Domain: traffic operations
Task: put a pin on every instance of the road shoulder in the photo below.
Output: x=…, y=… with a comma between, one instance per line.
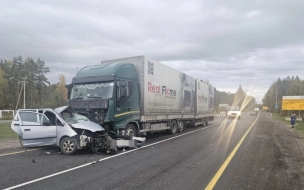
x=272, y=158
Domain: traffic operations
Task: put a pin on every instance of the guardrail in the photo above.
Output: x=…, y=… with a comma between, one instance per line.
x=220, y=115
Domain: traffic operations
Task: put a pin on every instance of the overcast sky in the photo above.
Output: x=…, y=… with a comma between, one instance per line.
x=230, y=43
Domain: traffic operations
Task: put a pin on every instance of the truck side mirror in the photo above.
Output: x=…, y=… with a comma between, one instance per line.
x=122, y=89
x=123, y=92
x=123, y=83
x=69, y=87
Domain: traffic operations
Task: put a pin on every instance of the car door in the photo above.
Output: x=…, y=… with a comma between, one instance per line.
x=36, y=129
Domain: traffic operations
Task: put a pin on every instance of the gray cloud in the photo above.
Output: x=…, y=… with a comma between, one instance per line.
x=230, y=43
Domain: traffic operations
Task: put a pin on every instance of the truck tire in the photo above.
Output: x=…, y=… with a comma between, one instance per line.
x=173, y=127
x=130, y=130
x=68, y=145
x=181, y=126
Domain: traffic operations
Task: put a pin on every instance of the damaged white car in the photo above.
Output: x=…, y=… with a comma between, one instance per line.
x=70, y=131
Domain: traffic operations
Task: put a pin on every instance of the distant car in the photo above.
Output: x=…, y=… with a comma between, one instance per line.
x=254, y=112
x=64, y=128
x=234, y=114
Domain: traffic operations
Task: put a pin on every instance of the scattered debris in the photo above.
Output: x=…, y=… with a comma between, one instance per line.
x=59, y=153
x=47, y=153
x=34, y=161
x=94, y=162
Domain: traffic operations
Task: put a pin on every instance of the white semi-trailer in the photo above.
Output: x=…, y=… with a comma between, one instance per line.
x=136, y=95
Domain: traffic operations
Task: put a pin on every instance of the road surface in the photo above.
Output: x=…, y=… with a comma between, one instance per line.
x=254, y=152
x=5, y=121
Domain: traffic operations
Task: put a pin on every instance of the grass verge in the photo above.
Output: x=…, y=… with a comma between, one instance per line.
x=6, y=132
x=299, y=128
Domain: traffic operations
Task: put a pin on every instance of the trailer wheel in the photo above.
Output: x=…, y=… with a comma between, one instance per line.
x=173, y=127
x=181, y=126
x=68, y=145
x=130, y=130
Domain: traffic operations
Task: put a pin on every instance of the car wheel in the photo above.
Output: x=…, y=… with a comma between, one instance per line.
x=181, y=126
x=131, y=130
x=21, y=141
x=68, y=145
x=173, y=127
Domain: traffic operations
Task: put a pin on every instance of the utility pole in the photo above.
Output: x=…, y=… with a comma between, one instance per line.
x=24, y=95
x=276, y=104
x=23, y=91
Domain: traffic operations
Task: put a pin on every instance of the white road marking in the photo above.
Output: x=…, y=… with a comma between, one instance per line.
x=84, y=165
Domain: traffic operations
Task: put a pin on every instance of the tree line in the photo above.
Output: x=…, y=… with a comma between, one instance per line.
x=39, y=93
x=240, y=98
x=289, y=86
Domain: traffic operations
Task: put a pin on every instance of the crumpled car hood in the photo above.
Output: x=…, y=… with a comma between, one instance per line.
x=88, y=125
x=82, y=124
x=60, y=109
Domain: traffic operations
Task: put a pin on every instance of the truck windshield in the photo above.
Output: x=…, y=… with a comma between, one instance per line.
x=98, y=90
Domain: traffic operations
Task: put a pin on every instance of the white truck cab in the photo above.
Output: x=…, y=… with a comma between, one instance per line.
x=234, y=112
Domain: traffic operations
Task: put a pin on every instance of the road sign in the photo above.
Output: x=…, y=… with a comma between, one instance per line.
x=293, y=103
x=277, y=106
x=223, y=105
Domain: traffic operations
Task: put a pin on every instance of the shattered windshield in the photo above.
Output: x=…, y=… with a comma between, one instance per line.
x=95, y=90
x=70, y=117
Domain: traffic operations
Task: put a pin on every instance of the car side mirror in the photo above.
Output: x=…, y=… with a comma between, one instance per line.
x=47, y=123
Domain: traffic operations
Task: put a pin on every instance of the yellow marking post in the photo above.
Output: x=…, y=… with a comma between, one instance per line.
x=7, y=154
x=227, y=161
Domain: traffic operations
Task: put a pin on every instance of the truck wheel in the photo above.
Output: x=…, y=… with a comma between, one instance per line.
x=173, y=127
x=68, y=145
x=131, y=130
x=181, y=126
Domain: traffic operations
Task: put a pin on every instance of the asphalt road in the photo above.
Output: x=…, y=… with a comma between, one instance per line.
x=188, y=160
x=5, y=121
